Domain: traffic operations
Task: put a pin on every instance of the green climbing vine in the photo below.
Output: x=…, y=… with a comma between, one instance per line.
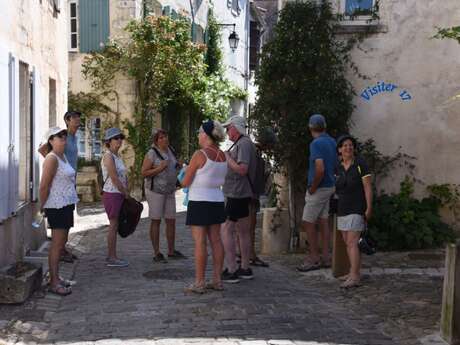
x=172, y=79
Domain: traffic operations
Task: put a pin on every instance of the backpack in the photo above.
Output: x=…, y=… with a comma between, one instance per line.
x=258, y=185
x=162, y=159
x=129, y=216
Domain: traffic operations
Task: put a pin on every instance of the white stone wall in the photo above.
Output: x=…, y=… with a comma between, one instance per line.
x=33, y=35
x=427, y=125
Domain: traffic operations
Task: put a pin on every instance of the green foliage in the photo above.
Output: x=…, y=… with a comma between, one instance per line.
x=451, y=33
x=302, y=72
x=213, y=57
x=90, y=105
x=381, y=165
x=402, y=222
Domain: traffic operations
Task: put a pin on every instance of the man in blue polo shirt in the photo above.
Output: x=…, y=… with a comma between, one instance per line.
x=321, y=186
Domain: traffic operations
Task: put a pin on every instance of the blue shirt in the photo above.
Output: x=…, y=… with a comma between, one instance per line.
x=71, y=150
x=323, y=147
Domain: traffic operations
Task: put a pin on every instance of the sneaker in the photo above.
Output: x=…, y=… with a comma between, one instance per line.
x=117, y=263
x=228, y=277
x=160, y=258
x=244, y=273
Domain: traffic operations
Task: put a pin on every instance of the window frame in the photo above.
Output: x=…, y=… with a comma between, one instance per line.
x=355, y=20
x=71, y=33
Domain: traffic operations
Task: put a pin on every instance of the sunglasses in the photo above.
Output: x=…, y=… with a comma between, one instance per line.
x=118, y=137
x=60, y=135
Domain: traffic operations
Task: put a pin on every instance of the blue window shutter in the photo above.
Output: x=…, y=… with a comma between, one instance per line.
x=353, y=6
x=166, y=10
x=174, y=14
x=194, y=32
x=94, y=24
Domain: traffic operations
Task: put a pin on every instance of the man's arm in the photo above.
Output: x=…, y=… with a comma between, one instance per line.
x=319, y=174
x=241, y=168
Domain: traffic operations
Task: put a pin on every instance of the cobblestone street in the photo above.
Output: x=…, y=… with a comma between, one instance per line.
x=145, y=302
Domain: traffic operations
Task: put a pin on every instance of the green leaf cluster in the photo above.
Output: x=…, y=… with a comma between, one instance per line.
x=402, y=222
x=302, y=72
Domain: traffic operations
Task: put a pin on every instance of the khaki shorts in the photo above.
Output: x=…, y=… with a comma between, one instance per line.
x=161, y=205
x=317, y=205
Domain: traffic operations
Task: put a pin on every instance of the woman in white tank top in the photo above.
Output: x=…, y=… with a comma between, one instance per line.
x=206, y=211
x=58, y=198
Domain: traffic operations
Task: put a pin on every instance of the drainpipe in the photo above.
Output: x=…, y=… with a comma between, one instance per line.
x=246, y=60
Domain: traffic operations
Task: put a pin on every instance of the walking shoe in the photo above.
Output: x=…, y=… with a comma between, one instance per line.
x=258, y=262
x=117, y=263
x=194, y=288
x=350, y=283
x=160, y=258
x=228, y=277
x=244, y=273
x=214, y=286
x=176, y=255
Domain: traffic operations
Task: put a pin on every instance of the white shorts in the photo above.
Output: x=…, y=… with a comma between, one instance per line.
x=161, y=205
x=351, y=222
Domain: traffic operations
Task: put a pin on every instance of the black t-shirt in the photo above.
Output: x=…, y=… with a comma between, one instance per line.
x=350, y=189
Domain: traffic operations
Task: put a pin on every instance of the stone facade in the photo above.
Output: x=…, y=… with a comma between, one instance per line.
x=33, y=96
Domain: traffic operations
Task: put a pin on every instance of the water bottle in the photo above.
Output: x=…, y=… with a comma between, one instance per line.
x=38, y=220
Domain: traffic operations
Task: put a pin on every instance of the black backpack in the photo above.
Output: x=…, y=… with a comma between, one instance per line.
x=130, y=214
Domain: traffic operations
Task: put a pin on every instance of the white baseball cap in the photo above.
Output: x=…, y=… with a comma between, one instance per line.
x=238, y=122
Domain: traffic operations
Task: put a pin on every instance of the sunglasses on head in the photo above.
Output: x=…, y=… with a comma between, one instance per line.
x=118, y=137
x=61, y=135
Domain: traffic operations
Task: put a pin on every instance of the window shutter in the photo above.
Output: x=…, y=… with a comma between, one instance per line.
x=37, y=132
x=4, y=134
x=167, y=11
x=13, y=137
x=174, y=14
x=94, y=24
x=194, y=30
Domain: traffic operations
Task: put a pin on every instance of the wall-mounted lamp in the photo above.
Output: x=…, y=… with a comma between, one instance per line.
x=233, y=38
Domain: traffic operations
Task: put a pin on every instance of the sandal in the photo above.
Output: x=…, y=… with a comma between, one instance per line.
x=350, y=283
x=258, y=262
x=176, y=255
x=193, y=288
x=215, y=286
x=308, y=266
x=60, y=290
x=343, y=278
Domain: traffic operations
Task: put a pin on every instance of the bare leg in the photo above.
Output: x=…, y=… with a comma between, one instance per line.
x=252, y=231
x=58, y=238
x=245, y=240
x=228, y=239
x=312, y=238
x=325, y=237
x=353, y=254
x=155, y=235
x=112, y=238
x=217, y=252
x=171, y=234
x=201, y=253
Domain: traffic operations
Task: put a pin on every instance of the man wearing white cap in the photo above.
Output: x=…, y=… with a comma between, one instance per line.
x=238, y=193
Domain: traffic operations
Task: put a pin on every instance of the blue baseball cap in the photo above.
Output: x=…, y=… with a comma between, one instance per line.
x=317, y=121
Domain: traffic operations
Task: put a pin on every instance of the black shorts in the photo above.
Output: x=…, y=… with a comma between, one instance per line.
x=204, y=213
x=237, y=208
x=60, y=218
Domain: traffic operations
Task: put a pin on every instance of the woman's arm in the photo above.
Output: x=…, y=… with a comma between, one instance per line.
x=197, y=162
x=109, y=163
x=50, y=166
x=367, y=184
x=149, y=169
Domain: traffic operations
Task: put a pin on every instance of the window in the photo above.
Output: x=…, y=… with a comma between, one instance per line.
x=358, y=7
x=73, y=29
x=89, y=139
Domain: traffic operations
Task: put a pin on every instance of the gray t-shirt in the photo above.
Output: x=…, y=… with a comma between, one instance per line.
x=164, y=182
x=237, y=186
